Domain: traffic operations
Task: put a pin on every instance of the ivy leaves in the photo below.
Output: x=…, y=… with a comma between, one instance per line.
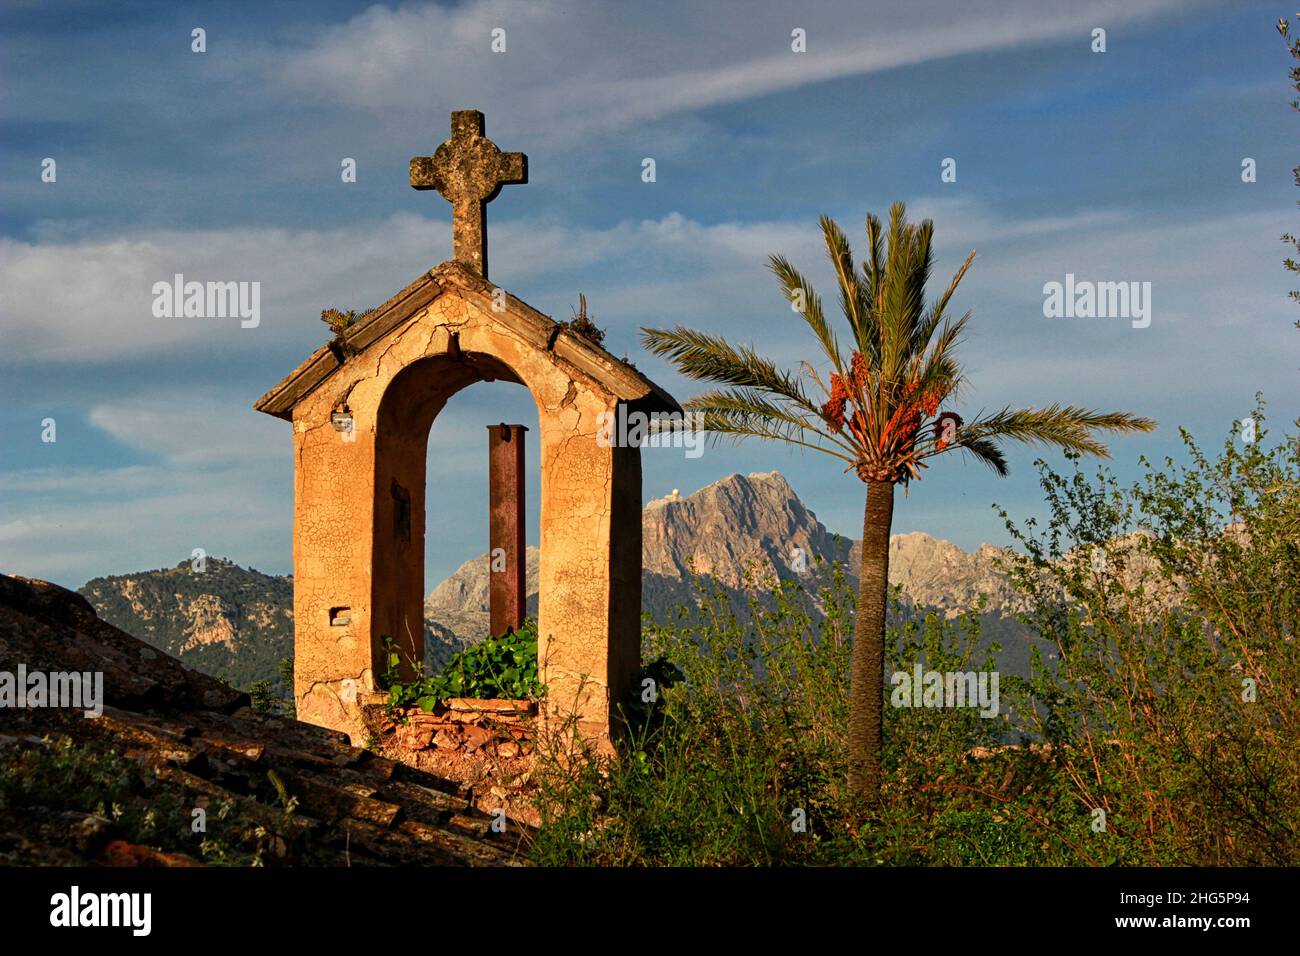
x=500, y=668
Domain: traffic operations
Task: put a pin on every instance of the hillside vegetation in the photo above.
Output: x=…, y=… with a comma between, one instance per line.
x=1151, y=731
x=225, y=621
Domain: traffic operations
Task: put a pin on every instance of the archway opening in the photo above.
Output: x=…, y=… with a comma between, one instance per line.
x=463, y=562
x=431, y=504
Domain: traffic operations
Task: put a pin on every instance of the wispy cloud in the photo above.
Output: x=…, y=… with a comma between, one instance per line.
x=219, y=470
x=586, y=66
x=190, y=429
x=225, y=167
x=654, y=270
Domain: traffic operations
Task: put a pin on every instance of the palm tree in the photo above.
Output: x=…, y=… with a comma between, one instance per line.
x=878, y=411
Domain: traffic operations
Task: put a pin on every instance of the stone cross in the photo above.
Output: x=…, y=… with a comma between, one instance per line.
x=469, y=171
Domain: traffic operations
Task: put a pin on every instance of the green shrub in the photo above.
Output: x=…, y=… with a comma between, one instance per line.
x=1172, y=706
x=340, y=321
x=275, y=697
x=740, y=761
x=499, y=668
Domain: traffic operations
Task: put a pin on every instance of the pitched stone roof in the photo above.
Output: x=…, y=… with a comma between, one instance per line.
x=544, y=333
x=184, y=741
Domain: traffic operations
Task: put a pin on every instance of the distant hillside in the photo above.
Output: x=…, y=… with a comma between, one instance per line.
x=226, y=621
x=237, y=623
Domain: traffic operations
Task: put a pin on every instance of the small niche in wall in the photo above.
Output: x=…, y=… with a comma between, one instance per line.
x=401, y=513
x=340, y=616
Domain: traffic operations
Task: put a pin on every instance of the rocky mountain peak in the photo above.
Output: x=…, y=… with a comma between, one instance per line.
x=733, y=523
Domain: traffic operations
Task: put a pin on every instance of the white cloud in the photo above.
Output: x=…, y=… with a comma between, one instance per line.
x=92, y=299
x=86, y=482
x=586, y=66
x=88, y=300
x=192, y=429
x=222, y=480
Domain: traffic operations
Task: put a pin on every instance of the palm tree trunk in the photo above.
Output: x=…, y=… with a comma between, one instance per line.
x=867, y=680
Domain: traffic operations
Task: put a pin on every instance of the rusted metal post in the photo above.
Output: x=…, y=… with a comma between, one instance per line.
x=508, y=582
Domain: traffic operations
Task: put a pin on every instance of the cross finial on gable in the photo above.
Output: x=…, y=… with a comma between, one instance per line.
x=469, y=171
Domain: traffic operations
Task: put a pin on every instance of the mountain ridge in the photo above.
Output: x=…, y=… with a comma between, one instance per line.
x=237, y=623
x=754, y=521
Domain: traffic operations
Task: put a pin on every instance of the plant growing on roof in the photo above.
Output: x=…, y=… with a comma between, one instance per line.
x=581, y=323
x=340, y=321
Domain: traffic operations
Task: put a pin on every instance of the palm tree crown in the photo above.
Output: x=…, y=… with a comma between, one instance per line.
x=878, y=407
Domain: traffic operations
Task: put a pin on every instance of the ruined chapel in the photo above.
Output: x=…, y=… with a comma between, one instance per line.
x=361, y=407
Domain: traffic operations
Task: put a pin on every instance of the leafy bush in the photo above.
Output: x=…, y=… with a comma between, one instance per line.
x=1173, y=610
x=741, y=761
x=499, y=668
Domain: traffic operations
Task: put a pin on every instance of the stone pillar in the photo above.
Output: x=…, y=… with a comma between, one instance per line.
x=333, y=508
x=625, y=579
x=589, y=628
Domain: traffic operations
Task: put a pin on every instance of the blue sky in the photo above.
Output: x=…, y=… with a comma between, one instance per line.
x=1115, y=166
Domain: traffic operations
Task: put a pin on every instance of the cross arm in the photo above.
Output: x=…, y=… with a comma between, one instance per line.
x=424, y=174
x=512, y=169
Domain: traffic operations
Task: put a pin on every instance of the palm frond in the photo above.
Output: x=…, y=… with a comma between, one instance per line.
x=934, y=317
x=737, y=425
x=853, y=297
x=794, y=283
x=986, y=451
x=712, y=358
x=906, y=273
x=873, y=273
x=750, y=406
x=1065, y=426
x=937, y=367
